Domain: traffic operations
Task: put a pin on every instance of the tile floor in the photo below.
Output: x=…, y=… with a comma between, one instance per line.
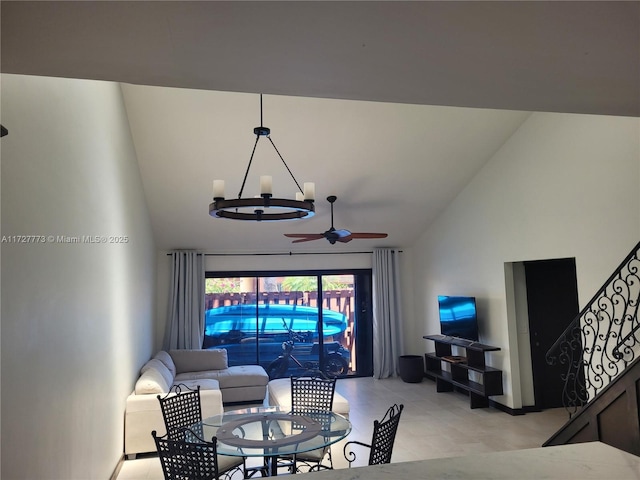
x=432, y=425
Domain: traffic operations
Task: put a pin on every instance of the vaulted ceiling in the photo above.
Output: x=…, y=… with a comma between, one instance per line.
x=391, y=106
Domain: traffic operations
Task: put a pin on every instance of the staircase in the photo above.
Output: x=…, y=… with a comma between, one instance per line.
x=601, y=352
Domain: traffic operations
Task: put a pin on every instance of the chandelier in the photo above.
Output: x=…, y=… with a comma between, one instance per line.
x=265, y=207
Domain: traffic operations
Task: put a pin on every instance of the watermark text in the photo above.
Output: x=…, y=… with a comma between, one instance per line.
x=63, y=239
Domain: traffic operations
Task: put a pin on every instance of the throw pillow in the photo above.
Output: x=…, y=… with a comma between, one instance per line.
x=165, y=358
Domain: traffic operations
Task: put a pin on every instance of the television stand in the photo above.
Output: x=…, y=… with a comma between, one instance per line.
x=458, y=374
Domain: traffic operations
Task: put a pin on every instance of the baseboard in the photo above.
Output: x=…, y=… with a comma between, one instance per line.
x=513, y=411
x=116, y=472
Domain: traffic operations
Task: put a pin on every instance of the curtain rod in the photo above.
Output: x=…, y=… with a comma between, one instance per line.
x=288, y=254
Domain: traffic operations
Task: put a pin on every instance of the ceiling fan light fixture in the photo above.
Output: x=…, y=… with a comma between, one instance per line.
x=264, y=207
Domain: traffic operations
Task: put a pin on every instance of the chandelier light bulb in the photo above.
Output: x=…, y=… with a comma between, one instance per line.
x=266, y=187
x=309, y=191
x=218, y=189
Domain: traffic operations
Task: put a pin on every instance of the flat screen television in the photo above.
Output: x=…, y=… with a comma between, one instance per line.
x=458, y=317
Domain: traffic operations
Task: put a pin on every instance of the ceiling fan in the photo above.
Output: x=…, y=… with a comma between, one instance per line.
x=332, y=234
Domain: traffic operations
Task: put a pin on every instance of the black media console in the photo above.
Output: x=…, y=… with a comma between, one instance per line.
x=460, y=367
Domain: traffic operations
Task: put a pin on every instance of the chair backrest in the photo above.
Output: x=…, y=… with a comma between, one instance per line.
x=384, y=435
x=180, y=409
x=187, y=459
x=309, y=394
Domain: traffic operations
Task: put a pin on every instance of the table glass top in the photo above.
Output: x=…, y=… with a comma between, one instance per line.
x=269, y=431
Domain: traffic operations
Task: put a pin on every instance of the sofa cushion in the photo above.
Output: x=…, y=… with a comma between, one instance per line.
x=232, y=377
x=243, y=376
x=165, y=358
x=199, y=360
x=203, y=375
x=151, y=381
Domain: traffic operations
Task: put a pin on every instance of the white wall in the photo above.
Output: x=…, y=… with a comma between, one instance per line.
x=77, y=318
x=563, y=186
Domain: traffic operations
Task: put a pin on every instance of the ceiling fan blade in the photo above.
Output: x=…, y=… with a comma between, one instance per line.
x=311, y=236
x=369, y=235
x=308, y=239
x=304, y=237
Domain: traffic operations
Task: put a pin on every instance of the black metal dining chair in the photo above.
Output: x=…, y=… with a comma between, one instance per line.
x=188, y=459
x=313, y=393
x=182, y=413
x=181, y=408
x=311, y=396
x=383, y=438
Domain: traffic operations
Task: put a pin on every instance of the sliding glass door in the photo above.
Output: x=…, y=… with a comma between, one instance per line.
x=292, y=323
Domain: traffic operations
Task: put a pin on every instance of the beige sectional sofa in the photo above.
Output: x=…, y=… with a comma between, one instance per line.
x=218, y=382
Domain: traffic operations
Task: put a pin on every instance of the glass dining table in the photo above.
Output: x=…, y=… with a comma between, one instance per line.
x=272, y=432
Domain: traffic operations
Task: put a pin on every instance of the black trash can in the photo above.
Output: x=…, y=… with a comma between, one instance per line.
x=411, y=368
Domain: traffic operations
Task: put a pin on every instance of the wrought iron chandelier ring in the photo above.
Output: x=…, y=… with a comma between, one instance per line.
x=266, y=207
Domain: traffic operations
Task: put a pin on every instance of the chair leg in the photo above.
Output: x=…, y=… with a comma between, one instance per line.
x=263, y=469
x=318, y=466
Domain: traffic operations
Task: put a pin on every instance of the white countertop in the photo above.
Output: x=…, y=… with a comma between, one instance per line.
x=581, y=461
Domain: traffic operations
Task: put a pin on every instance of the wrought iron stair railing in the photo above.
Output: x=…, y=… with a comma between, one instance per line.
x=603, y=339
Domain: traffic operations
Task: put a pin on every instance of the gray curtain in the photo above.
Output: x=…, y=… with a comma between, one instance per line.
x=387, y=312
x=185, y=321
